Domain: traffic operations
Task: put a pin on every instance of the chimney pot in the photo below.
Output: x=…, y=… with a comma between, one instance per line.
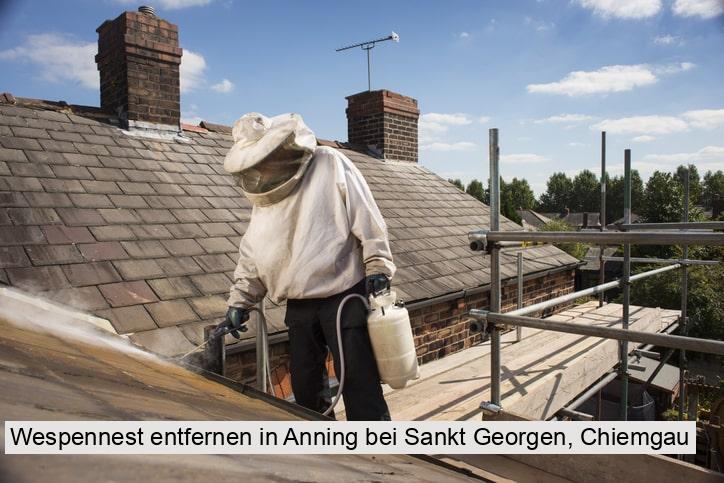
x=147, y=10
x=384, y=121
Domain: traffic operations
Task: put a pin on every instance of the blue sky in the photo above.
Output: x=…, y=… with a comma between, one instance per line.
x=550, y=74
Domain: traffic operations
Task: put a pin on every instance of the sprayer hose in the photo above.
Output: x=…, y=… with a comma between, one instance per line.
x=267, y=371
x=341, y=374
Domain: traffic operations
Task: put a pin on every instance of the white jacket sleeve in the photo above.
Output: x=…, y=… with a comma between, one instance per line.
x=247, y=289
x=365, y=219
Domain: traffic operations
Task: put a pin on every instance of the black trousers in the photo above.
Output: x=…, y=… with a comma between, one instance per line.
x=312, y=333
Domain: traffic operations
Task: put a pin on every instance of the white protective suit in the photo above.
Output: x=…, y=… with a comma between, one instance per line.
x=319, y=239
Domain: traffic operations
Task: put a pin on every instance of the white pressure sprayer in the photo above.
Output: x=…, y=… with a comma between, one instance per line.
x=388, y=324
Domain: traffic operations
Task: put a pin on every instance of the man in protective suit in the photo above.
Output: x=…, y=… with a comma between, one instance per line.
x=315, y=236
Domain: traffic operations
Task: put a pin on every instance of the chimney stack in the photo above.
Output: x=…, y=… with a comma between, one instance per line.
x=385, y=121
x=139, y=59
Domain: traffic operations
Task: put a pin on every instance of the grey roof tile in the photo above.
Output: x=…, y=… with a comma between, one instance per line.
x=145, y=249
x=11, y=257
x=122, y=294
x=185, y=230
x=173, y=288
x=179, y=266
x=100, y=251
x=53, y=254
x=138, y=269
x=83, y=298
x=170, y=313
x=61, y=234
x=36, y=279
x=62, y=185
x=129, y=319
x=112, y=232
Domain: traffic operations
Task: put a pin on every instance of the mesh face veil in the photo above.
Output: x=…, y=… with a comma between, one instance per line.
x=275, y=170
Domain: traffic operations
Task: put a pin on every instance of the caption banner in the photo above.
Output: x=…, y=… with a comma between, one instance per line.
x=359, y=437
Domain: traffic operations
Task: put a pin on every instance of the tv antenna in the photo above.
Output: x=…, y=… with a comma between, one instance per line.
x=367, y=46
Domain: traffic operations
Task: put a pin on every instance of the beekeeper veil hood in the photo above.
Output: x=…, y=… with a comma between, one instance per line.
x=269, y=155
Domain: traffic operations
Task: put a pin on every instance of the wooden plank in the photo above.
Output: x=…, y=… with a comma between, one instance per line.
x=541, y=373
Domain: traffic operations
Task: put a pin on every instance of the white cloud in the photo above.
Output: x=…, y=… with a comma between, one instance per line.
x=669, y=69
x=433, y=124
x=642, y=125
x=709, y=157
x=523, y=158
x=224, y=86
x=456, y=119
x=576, y=144
x=612, y=78
x=647, y=125
x=626, y=9
x=440, y=146
x=192, y=70
x=643, y=139
x=191, y=116
x=463, y=35
x=705, y=118
x=667, y=40
x=59, y=57
x=564, y=119
x=698, y=8
x=435, y=128
x=172, y=4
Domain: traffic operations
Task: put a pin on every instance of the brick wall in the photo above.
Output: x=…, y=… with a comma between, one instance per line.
x=386, y=121
x=138, y=59
x=439, y=329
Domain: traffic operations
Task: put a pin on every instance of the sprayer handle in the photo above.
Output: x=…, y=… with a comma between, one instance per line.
x=376, y=284
x=234, y=322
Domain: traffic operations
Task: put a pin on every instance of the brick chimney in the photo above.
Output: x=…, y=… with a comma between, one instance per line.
x=385, y=121
x=138, y=59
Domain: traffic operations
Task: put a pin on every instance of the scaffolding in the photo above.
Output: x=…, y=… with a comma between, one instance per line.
x=627, y=233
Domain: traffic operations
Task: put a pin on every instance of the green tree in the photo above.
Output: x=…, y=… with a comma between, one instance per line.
x=662, y=199
x=713, y=187
x=663, y=202
x=576, y=249
x=694, y=182
x=457, y=183
x=614, y=196
x=522, y=197
x=558, y=193
x=514, y=195
x=706, y=284
x=476, y=190
x=586, y=192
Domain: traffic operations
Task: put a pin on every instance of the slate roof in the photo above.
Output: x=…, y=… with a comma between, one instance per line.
x=144, y=232
x=575, y=219
x=532, y=219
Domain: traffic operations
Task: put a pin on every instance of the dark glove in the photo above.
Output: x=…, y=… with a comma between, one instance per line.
x=376, y=284
x=235, y=321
